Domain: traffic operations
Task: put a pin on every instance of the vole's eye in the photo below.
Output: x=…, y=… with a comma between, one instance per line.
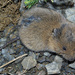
x=64, y=48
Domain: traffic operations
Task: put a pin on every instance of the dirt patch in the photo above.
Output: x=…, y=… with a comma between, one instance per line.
x=9, y=13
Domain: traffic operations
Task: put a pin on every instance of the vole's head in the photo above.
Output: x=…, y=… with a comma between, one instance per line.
x=63, y=41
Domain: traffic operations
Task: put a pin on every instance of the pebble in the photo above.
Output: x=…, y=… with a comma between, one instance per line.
x=14, y=44
x=42, y=72
x=55, y=66
x=37, y=55
x=58, y=60
x=47, y=54
x=41, y=59
x=28, y=63
x=18, y=42
x=32, y=54
x=1, y=44
x=1, y=60
x=72, y=65
x=52, y=68
x=1, y=70
x=3, y=39
x=74, y=1
x=7, y=55
x=16, y=1
x=70, y=13
x=39, y=66
x=12, y=36
x=12, y=51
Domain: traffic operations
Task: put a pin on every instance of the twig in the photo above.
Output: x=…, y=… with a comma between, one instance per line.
x=12, y=60
x=11, y=41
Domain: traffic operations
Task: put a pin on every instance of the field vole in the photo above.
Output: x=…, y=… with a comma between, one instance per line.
x=47, y=30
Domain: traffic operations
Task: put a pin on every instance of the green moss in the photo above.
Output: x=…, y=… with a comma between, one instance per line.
x=30, y=3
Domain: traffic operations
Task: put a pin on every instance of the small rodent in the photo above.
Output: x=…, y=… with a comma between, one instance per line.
x=47, y=30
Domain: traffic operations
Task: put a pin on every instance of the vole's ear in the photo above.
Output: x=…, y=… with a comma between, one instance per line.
x=56, y=32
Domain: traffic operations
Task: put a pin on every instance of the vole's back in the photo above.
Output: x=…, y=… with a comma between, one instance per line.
x=42, y=29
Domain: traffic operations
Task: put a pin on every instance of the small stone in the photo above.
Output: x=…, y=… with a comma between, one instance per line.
x=32, y=54
x=1, y=44
x=1, y=69
x=70, y=13
x=3, y=39
x=39, y=66
x=41, y=59
x=11, y=51
x=74, y=1
x=18, y=42
x=55, y=66
x=52, y=68
x=6, y=54
x=12, y=36
x=14, y=44
x=42, y=72
x=47, y=54
x=37, y=55
x=58, y=60
x=16, y=1
x=4, y=51
x=1, y=60
x=28, y=63
x=16, y=33
x=72, y=65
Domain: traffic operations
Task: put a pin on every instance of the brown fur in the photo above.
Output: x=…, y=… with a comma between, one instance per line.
x=50, y=31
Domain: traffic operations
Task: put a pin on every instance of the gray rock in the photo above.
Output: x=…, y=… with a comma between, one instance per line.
x=70, y=13
x=39, y=66
x=50, y=6
x=52, y=68
x=72, y=65
x=47, y=54
x=18, y=42
x=4, y=51
x=3, y=39
x=1, y=69
x=41, y=59
x=74, y=1
x=32, y=54
x=58, y=60
x=12, y=36
x=42, y=72
x=37, y=55
x=6, y=54
x=1, y=44
x=1, y=61
x=11, y=51
x=28, y=63
x=59, y=2
x=55, y=66
x=16, y=1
